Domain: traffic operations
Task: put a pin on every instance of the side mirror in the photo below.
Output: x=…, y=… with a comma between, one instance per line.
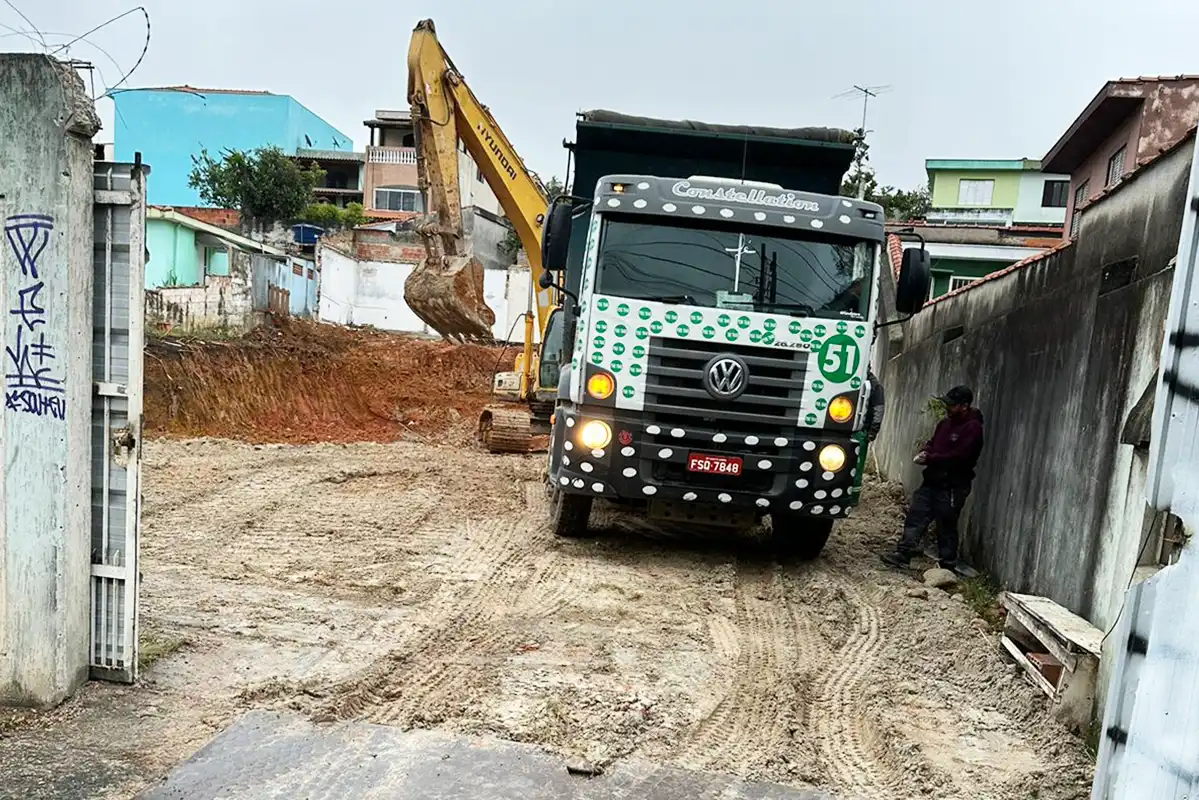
x=546, y=280
x=555, y=236
x=915, y=273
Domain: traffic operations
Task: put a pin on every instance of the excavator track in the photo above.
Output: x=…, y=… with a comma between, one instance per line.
x=506, y=429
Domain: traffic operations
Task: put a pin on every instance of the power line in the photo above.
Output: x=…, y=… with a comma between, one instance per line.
x=28, y=22
x=866, y=93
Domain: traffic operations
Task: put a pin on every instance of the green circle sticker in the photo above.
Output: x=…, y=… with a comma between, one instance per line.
x=644, y=313
x=615, y=366
x=623, y=309
x=723, y=320
x=810, y=419
x=638, y=352
x=755, y=336
x=682, y=330
x=838, y=358
x=859, y=331
x=696, y=318
x=795, y=327
x=602, y=304
x=635, y=369
x=655, y=326
x=628, y=391
x=817, y=386
x=597, y=358
x=709, y=332
x=769, y=324
x=768, y=338
x=618, y=348
x=598, y=342
x=820, y=330
x=842, y=326
x=856, y=383
x=742, y=322
x=806, y=336
x=821, y=404
x=601, y=326
x=731, y=334
x=620, y=330
x=671, y=316
x=642, y=332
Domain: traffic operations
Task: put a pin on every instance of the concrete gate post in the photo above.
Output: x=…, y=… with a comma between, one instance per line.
x=47, y=121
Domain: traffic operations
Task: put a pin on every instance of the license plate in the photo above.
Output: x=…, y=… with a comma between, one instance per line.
x=714, y=465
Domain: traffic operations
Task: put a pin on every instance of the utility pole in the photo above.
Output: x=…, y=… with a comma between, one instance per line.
x=866, y=92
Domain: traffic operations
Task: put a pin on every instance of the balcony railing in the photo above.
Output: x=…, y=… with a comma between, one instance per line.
x=391, y=155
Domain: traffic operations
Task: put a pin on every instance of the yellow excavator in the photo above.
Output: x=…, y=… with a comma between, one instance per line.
x=446, y=289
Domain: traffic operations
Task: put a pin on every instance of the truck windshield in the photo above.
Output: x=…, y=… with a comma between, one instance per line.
x=707, y=264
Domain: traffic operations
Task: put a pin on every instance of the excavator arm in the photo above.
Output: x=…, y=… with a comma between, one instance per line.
x=447, y=290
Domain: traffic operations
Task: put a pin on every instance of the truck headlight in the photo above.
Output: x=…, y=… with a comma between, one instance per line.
x=595, y=435
x=832, y=458
x=601, y=385
x=841, y=409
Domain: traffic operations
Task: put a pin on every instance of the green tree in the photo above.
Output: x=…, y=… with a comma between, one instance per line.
x=264, y=184
x=510, y=246
x=898, y=204
x=331, y=218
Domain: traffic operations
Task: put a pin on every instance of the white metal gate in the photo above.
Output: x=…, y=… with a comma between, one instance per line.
x=1149, y=745
x=119, y=266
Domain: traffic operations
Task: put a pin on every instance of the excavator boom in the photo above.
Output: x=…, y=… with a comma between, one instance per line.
x=446, y=290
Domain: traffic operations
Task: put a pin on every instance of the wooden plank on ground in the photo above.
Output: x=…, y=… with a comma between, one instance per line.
x=1075, y=632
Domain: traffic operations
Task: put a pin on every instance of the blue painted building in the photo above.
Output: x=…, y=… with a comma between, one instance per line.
x=170, y=125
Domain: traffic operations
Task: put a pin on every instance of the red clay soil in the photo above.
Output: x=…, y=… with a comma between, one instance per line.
x=304, y=382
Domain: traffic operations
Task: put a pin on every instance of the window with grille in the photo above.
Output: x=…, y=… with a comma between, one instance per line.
x=956, y=283
x=1074, y=221
x=975, y=192
x=1054, y=194
x=396, y=199
x=1115, y=167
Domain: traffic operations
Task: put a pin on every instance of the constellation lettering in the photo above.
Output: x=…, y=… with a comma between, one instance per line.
x=28, y=235
x=30, y=383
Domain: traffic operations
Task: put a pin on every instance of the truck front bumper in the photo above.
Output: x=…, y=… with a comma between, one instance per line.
x=646, y=460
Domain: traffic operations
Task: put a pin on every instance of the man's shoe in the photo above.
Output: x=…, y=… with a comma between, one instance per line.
x=896, y=560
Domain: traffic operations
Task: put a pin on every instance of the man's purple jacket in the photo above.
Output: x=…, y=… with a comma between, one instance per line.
x=950, y=456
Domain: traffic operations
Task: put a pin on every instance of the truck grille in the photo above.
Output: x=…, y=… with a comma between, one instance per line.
x=675, y=393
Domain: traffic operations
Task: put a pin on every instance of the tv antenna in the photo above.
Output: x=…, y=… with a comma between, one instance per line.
x=866, y=92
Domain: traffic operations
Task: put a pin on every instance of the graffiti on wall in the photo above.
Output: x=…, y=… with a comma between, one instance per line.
x=32, y=385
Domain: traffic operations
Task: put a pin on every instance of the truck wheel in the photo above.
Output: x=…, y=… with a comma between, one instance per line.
x=798, y=537
x=569, y=514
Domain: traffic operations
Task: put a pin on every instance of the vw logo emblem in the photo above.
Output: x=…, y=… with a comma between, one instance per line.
x=726, y=377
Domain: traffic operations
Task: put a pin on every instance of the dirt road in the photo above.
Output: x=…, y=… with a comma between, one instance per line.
x=416, y=585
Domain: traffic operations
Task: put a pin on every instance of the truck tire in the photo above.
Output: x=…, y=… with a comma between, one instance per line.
x=799, y=537
x=569, y=514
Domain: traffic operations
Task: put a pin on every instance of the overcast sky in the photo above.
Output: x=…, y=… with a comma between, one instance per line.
x=969, y=79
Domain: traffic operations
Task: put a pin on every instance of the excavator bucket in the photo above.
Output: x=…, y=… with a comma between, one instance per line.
x=448, y=297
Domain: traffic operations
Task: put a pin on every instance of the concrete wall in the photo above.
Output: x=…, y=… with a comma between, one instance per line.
x=369, y=292
x=1059, y=353
x=47, y=120
x=217, y=302
x=168, y=127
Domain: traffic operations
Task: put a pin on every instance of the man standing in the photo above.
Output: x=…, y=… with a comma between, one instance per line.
x=874, y=406
x=948, y=459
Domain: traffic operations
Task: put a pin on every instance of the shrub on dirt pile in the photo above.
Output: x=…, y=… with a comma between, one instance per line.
x=306, y=382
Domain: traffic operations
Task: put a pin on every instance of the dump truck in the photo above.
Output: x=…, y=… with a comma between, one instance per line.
x=720, y=303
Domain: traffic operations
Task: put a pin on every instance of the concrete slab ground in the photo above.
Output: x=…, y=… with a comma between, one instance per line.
x=268, y=754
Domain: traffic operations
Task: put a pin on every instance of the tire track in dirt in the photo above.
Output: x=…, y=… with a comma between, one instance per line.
x=753, y=718
x=838, y=711
x=464, y=634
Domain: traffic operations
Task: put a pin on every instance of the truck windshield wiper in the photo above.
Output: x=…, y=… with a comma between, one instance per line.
x=669, y=298
x=804, y=310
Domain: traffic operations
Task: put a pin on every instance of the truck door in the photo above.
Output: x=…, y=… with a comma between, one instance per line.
x=117, y=343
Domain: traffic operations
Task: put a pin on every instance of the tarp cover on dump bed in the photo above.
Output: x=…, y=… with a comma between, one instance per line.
x=834, y=135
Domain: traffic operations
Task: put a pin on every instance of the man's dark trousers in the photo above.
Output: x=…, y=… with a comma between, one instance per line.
x=940, y=504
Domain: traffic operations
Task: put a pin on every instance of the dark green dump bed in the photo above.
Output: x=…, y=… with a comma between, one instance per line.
x=609, y=143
